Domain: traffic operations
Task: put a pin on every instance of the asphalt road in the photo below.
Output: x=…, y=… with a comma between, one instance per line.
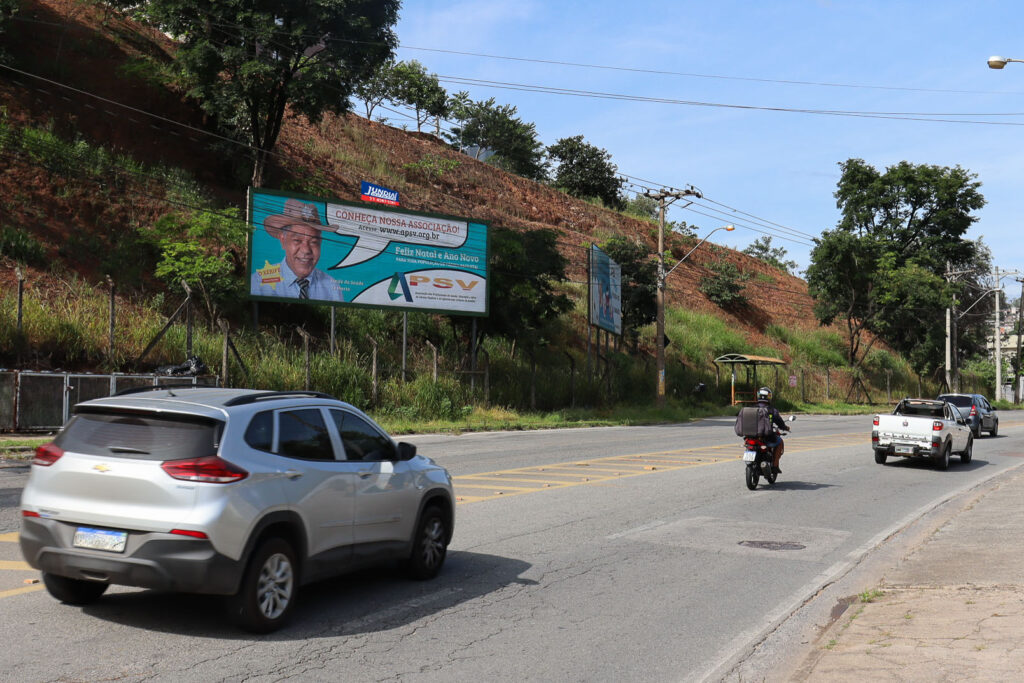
x=604, y=554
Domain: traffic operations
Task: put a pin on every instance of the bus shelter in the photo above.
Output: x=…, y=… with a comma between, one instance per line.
x=750, y=364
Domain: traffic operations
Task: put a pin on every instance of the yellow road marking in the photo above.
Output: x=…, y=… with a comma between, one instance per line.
x=600, y=471
x=11, y=537
x=18, y=591
x=14, y=564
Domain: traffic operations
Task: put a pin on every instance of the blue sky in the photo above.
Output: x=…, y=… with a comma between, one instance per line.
x=782, y=167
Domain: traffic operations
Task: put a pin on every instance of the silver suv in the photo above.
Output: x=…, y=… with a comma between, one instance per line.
x=234, y=492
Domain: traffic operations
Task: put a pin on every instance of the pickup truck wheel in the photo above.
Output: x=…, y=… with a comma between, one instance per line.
x=968, y=452
x=943, y=461
x=880, y=456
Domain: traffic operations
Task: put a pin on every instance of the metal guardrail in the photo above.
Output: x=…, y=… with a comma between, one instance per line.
x=42, y=401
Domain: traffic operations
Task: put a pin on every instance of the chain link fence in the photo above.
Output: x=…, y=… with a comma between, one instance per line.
x=42, y=401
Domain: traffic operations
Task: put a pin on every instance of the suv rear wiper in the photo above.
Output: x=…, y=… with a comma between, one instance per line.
x=127, y=449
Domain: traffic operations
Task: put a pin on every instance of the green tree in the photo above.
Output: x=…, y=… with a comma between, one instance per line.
x=488, y=126
x=8, y=8
x=246, y=63
x=378, y=88
x=419, y=90
x=639, y=284
x=586, y=171
x=885, y=261
x=643, y=207
x=725, y=285
x=763, y=250
x=524, y=267
x=206, y=250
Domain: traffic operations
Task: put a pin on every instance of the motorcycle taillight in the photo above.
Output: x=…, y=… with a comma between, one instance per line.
x=750, y=443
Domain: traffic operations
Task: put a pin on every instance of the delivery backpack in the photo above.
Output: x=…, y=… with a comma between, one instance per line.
x=754, y=421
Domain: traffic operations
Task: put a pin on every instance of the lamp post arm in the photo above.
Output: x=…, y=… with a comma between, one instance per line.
x=690, y=252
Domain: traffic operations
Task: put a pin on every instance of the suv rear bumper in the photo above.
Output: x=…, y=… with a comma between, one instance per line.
x=150, y=560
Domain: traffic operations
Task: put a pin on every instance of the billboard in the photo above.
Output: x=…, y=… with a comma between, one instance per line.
x=321, y=250
x=605, y=291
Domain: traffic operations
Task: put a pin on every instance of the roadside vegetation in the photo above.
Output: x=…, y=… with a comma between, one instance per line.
x=155, y=230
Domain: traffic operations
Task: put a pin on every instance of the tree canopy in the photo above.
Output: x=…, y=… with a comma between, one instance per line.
x=586, y=171
x=488, y=126
x=246, y=63
x=762, y=249
x=419, y=90
x=882, y=269
x=639, y=284
x=524, y=267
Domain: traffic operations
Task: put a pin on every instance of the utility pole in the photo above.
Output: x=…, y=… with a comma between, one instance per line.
x=1016, y=367
x=998, y=342
x=949, y=335
x=659, y=342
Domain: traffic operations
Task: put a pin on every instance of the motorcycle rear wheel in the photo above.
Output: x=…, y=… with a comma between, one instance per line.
x=770, y=476
x=752, y=477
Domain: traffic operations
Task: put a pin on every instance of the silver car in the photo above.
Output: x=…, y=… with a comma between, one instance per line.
x=234, y=492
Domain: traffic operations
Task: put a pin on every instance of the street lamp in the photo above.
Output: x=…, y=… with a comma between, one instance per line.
x=660, y=327
x=997, y=62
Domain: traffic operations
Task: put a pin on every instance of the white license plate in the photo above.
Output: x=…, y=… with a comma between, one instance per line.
x=100, y=539
x=749, y=456
x=904, y=450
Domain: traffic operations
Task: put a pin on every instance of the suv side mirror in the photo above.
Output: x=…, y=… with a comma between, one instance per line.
x=406, y=451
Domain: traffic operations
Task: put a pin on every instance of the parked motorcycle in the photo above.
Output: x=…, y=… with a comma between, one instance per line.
x=758, y=458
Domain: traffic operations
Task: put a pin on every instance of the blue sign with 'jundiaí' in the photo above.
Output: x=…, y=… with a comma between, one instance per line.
x=381, y=195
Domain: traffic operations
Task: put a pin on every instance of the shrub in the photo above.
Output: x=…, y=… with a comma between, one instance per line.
x=725, y=285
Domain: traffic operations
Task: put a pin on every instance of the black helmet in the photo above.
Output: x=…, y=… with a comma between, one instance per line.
x=764, y=394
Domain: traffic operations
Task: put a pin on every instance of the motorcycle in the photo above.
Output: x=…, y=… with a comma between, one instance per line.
x=758, y=458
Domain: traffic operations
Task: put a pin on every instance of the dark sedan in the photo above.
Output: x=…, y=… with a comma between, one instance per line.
x=979, y=413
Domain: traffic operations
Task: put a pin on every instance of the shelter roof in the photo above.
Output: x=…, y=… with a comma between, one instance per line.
x=746, y=359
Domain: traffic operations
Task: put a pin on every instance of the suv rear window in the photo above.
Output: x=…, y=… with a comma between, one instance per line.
x=959, y=401
x=140, y=436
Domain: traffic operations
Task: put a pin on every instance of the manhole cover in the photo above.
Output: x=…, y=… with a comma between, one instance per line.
x=773, y=545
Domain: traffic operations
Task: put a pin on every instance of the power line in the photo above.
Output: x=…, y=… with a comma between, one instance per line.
x=571, y=92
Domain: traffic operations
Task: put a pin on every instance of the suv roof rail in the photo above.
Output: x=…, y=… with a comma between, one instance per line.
x=157, y=387
x=271, y=395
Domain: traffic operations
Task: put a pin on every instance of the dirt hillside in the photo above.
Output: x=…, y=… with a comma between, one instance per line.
x=77, y=71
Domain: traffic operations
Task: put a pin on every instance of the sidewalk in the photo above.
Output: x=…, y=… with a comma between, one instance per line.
x=951, y=610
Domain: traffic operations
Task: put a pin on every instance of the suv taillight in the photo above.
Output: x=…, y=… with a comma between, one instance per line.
x=210, y=469
x=47, y=454
x=974, y=410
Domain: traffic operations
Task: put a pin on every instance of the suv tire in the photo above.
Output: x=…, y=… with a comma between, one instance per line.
x=995, y=429
x=266, y=596
x=429, y=545
x=73, y=591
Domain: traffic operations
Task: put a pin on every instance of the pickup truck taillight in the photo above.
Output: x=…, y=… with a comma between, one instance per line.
x=875, y=421
x=937, y=426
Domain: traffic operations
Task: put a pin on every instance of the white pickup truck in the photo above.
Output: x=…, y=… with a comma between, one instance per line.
x=922, y=428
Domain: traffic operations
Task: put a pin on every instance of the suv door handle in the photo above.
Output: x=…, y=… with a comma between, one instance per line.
x=292, y=474
x=363, y=474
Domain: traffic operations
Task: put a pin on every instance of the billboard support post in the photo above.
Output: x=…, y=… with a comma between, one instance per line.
x=332, y=330
x=405, y=336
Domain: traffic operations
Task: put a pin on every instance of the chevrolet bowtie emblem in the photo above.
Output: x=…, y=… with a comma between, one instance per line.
x=101, y=468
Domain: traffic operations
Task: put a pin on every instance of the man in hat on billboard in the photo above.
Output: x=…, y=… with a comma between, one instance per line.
x=299, y=229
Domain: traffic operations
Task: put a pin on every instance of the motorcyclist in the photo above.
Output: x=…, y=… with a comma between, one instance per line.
x=764, y=398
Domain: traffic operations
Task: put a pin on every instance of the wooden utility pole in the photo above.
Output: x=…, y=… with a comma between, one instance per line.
x=664, y=198
x=1020, y=324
